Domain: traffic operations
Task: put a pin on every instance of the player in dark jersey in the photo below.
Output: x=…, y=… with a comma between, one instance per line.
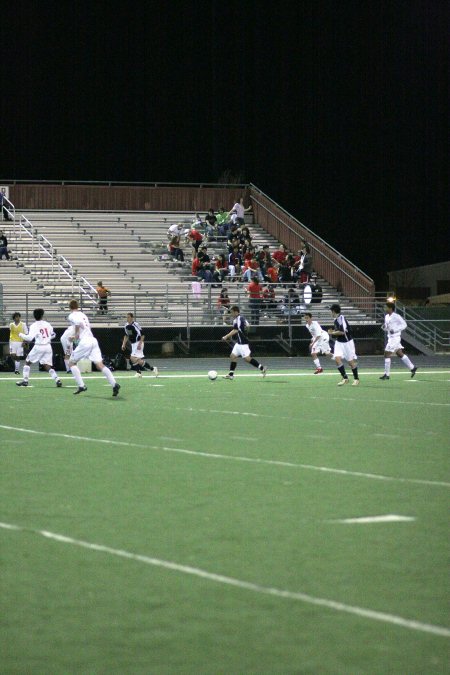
x=344, y=347
x=133, y=334
x=241, y=347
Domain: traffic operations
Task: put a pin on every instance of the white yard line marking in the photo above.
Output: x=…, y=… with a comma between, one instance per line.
x=233, y=458
x=363, y=520
x=373, y=400
x=245, y=585
x=244, y=438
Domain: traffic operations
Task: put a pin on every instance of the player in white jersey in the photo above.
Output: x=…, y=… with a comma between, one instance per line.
x=67, y=342
x=87, y=348
x=16, y=352
x=393, y=326
x=42, y=333
x=320, y=341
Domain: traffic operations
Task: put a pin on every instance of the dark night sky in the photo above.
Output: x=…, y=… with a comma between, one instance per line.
x=338, y=110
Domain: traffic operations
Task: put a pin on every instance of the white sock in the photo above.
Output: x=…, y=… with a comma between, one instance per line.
x=53, y=374
x=109, y=376
x=316, y=363
x=77, y=375
x=387, y=366
x=26, y=373
x=16, y=365
x=407, y=362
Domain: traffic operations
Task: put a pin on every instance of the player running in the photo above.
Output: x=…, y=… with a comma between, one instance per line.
x=242, y=347
x=42, y=333
x=393, y=326
x=87, y=349
x=320, y=341
x=133, y=335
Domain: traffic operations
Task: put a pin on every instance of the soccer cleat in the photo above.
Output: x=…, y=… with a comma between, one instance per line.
x=138, y=374
x=413, y=371
x=22, y=383
x=116, y=389
x=355, y=383
x=58, y=383
x=16, y=372
x=80, y=390
x=155, y=371
x=318, y=370
x=228, y=377
x=343, y=381
x=384, y=377
x=264, y=371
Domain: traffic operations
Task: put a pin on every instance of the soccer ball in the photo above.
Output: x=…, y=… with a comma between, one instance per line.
x=212, y=375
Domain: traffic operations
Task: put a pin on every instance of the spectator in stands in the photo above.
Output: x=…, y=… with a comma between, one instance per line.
x=280, y=254
x=264, y=259
x=205, y=271
x=272, y=272
x=234, y=262
x=239, y=210
x=174, y=248
x=252, y=269
x=196, y=265
x=223, y=222
x=103, y=295
x=197, y=222
x=221, y=268
x=3, y=246
x=290, y=303
x=174, y=230
x=268, y=299
x=254, y=291
x=210, y=224
x=195, y=237
x=224, y=304
x=305, y=266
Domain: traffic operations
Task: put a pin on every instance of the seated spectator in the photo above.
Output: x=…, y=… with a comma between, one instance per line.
x=251, y=269
x=210, y=224
x=174, y=248
x=254, y=291
x=264, y=259
x=196, y=265
x=290, y=303
x=268, y=296
x=239, y=210
x=284, y=273
x=280, y=254
x=197, y=222
x=3, y=246
x=224, y=304
x=245, y=234
x=205, y=271
x=221, y=268
x=223, y=222
x=195, y=237
x=272, y=273
x=234, y=263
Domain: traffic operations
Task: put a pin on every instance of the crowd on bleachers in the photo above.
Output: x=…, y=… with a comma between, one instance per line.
x=219, y=249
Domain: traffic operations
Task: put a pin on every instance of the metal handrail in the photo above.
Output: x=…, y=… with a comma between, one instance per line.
x=13, y=181
x=342, y=257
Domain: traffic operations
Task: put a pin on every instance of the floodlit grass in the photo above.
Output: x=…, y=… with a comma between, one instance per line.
x=242, y=479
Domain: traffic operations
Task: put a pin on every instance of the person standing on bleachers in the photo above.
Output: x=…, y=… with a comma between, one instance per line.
x=103, y=294
x=3, y=246
x=239, y=210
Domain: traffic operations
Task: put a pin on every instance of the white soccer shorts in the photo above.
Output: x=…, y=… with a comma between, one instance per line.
x=42, y=354
x=135, y=352
x=322, y=345
x=87, y=349
x=16, y=348
x=346, y=350
x=393, y=344
x=241, y=350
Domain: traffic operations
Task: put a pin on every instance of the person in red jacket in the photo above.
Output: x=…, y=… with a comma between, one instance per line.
x=195, y=238
x=254, y=291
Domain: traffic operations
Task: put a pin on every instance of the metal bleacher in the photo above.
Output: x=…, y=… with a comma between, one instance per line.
x=127, y=252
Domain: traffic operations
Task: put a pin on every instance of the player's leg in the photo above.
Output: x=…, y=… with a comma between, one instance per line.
x=26, y=373
x=233, y=364
x=387, y=366
x=256, y=364
x=406, y=361
x=340, y=366
x=52, y=372
x=316, y=361
x=353, y=363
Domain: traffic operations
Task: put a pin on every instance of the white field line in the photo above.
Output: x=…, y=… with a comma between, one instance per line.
x=245, y=585
x=210, y=455
x=365, y=520
x=240, y=374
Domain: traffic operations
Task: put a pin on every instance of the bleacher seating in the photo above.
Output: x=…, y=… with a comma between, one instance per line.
x=127, y=251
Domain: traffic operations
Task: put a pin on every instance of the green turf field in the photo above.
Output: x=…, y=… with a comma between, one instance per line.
x=191, y=526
